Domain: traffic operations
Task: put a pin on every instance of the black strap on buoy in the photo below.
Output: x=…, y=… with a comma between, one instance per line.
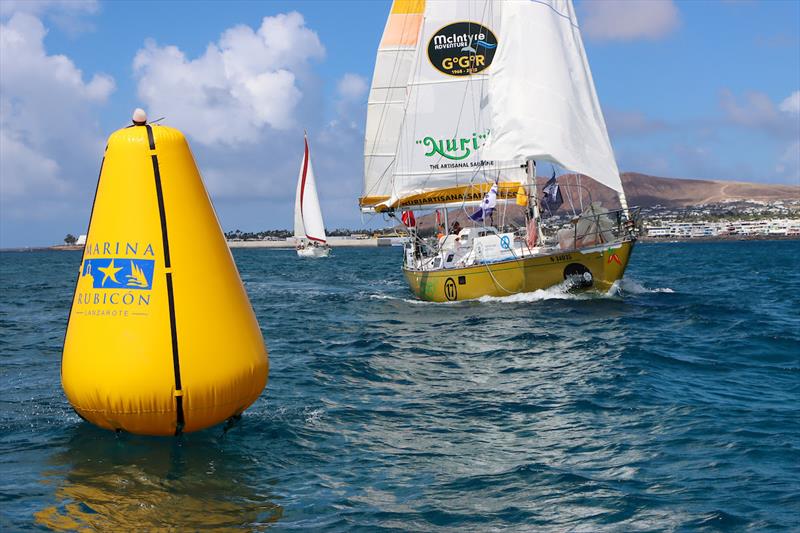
x=176, y=365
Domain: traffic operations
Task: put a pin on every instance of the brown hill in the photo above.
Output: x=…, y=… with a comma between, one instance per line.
x=645, y=191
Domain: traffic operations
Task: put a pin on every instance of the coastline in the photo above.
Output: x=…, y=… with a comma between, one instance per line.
x=720, y=238
x=382, y=242
x=334, y=242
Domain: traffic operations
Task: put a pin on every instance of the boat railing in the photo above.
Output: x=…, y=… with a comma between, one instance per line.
x=594, y=227
x=597, y=226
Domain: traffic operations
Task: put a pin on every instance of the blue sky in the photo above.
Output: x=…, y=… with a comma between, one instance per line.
x=689, y=89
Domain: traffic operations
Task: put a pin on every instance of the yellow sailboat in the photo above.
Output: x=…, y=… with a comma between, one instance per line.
x=467, y=97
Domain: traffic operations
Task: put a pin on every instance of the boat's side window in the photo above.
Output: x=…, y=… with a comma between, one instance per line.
x=449, y=258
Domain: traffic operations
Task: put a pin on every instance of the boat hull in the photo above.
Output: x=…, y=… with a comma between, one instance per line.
x=314, y=251
x=605, y=265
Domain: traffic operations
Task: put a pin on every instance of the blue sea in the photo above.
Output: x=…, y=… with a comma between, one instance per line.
x=671, y=405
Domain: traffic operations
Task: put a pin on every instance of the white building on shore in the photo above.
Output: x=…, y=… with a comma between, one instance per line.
x=700, y=229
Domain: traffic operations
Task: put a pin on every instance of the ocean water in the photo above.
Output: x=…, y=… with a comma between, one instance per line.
x=672, y=405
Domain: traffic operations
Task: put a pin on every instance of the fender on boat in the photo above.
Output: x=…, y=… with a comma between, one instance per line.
x=161, y=337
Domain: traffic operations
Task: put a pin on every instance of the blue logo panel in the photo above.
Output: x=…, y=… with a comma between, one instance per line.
x=120, y=273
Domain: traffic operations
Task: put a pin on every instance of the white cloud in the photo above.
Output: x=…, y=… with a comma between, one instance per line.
x=757, y=110
x=628, y=20
x=791, y=104
x=38, y=172
x=631, y=123
x=49, y=138
x=242, y=85
x=780, y=121
x=788, y=166
x=68, y=15
x=352, y=87
x=40, y=7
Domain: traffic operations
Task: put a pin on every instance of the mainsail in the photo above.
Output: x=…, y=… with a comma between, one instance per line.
x=387, y=98
x=307, y=213
x=544, y=104
x=492, y=85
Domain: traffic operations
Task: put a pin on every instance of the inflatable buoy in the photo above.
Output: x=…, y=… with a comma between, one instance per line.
x=161, y=337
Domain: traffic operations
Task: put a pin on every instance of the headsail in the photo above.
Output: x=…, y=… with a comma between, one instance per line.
x=447, y=118
x=307, y=213
x=544, y=104
x=387, y=98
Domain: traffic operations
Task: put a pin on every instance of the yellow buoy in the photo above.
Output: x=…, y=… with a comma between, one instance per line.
x=161, y=337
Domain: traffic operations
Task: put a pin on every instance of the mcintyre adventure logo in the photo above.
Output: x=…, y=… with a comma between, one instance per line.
x=462, y=48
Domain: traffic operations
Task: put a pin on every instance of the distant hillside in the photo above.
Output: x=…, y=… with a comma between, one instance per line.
x=645, y=191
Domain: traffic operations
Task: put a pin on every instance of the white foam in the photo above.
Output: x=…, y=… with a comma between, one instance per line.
x=556, y=292
x=628, y=285
x=412, y=300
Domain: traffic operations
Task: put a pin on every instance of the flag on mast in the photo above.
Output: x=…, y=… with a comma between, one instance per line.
x=487, y=205
x=552, y=198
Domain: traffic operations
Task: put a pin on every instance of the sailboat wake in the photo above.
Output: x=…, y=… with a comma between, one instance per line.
x=562, y=291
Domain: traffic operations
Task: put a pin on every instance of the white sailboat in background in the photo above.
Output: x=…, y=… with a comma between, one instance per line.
x=309, y=230
x=467, y=96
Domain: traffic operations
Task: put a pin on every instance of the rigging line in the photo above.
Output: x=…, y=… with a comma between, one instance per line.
x=569, y=197
x=496, y=281
x=554, y=10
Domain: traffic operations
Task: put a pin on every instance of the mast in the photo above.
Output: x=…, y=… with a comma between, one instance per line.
x=533, y=198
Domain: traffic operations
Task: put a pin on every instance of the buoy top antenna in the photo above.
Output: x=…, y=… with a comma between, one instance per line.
x=139, y=117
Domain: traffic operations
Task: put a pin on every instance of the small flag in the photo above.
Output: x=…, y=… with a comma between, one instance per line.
x=552, y=198
x=487, y=205
x=408, y=219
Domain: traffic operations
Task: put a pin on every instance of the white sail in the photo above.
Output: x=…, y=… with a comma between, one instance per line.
x=307, y=213
x=448, y=111
x=493, y=84
x=544, y=104
x=387, y=97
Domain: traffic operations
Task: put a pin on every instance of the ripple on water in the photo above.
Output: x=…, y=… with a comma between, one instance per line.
x=667, y=404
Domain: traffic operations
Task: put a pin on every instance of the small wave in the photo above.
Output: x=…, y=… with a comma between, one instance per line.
x=630, y=286
x=562, y=291
x=412, y=300
x=556, y=292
